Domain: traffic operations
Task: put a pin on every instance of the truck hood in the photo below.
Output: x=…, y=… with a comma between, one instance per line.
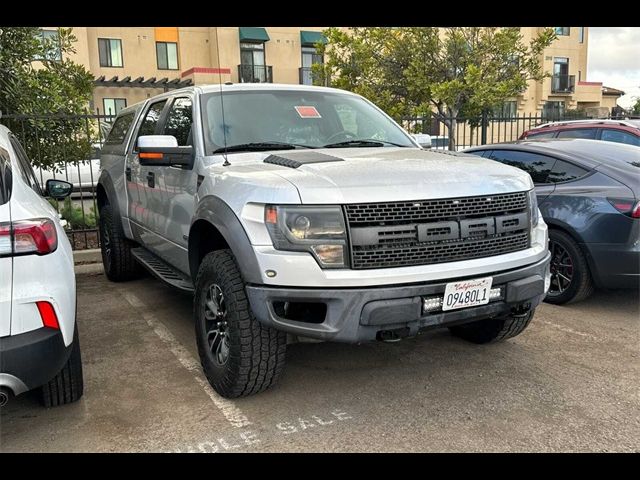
x=395, y=174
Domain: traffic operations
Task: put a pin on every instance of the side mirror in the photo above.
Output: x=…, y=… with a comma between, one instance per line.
x=163, y=150
x=423, y=140
x=58, y=189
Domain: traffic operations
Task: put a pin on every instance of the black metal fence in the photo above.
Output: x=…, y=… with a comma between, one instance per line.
x=82, y=169
x=482, y=130
x=73, y=143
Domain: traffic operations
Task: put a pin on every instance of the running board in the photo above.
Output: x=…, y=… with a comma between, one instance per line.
x=162, y=270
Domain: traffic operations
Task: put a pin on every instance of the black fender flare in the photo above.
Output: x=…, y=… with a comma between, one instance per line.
x=219, y=214
x=106, y=182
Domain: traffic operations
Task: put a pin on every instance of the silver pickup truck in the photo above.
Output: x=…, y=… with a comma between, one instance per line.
x=295, y=212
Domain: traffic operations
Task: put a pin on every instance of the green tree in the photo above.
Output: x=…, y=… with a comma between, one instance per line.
x=38, y=79
x=635, y=108
x=452, y=72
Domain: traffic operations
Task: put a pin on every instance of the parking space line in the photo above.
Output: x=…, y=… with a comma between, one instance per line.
x=230, y=411
x=568, y=330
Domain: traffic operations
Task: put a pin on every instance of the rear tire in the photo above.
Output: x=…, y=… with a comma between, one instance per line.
x=493, y=329
x=564, y=249
x=239, y=355
x=117, y=259
x=68, y=385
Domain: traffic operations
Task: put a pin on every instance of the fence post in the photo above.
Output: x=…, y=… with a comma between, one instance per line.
x=483, y=131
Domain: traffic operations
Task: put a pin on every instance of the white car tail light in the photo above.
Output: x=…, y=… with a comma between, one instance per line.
x=37, y=236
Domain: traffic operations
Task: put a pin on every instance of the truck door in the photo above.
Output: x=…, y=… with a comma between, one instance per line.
x=177, y=187
x=142, y=187
x=6, y=260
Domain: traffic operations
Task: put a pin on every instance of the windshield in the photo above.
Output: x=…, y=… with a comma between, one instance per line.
x=301, y=118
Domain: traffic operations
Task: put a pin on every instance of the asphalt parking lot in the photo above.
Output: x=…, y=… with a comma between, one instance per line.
x=570, y=382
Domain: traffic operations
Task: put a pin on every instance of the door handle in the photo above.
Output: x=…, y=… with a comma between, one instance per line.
x=127, y=173
x=151, y=179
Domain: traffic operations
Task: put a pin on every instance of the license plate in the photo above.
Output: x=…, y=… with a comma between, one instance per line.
x=467, y=293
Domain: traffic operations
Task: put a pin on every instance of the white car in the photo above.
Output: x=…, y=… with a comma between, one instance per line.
x=39, y=345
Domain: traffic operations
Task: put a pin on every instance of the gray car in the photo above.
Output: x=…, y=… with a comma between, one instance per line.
x=588, y=193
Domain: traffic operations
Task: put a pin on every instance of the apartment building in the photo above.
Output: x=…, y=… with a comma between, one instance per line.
x=134, y=63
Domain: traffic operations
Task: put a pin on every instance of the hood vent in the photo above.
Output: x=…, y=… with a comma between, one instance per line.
x=297, y=159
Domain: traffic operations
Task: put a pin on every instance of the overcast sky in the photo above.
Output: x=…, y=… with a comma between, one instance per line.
x=614, y=60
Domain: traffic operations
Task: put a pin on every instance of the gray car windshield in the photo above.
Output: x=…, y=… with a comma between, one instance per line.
x=254, y=120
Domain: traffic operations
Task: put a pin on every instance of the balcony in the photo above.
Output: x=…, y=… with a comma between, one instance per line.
x=255, y=73
x=563, y=84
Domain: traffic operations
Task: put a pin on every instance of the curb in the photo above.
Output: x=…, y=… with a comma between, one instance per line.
x=87, y=256
x=89, y=269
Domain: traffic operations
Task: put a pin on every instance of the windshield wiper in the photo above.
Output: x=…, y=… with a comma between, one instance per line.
x=259, y=146
x=364, y=142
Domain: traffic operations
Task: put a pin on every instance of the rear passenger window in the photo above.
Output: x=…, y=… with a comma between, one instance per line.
x=618, y=136
x=151, y=119
x=179, y=121
x=589, y=133
x=120, y=129
x=5, y=176
x=542, y=135
x=564, y=171
x=538, y=166
x=25, y=167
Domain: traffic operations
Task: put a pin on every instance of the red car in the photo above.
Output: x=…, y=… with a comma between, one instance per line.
x=619, y=131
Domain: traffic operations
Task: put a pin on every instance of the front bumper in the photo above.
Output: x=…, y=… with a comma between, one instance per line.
x=32, y=358
x=359, y=314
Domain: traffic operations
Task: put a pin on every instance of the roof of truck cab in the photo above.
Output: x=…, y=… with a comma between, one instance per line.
x=234, y=87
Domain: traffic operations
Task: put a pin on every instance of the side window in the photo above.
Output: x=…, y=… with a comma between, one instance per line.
x=120, y=128
x=538, y=166
x=564, y=171
x=25, y=167
x=618, y=136
x=478, y=153
x=151, y=118
x=542, y=135
x=179, y=121
x=589, y=133
x=5, y=177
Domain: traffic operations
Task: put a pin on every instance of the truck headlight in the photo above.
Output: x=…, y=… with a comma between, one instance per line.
x=318, y=230
x=533, y=208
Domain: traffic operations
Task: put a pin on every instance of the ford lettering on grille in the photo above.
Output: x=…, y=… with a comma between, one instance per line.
x=435, y=231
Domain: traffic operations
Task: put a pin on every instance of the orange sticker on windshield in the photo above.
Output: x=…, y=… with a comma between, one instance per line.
x=307, y=112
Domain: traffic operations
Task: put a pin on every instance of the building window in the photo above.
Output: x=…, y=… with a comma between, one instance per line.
x=252, y=63
x=50, y=42
x=553, y=110
x=112, y=106
x=110, y=52
x=507, y=110
x=167, y=55
x=563, y=31
x=581, y=35
x=310, y=57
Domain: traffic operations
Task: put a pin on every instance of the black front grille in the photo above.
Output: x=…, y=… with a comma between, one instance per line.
x=427, y=210
x=385, y=235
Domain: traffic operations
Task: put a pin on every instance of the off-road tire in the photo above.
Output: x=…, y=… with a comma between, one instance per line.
x=581, y=285
x=493, y=329
x=68, y=385
x=117, y=259
x=256, y=353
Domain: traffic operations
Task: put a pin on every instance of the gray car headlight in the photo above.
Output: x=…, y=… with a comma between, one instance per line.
x=318, y=230
x=533, y=208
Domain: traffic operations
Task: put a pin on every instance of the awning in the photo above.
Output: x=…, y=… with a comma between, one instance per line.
x=253, y=34
x=309, y=39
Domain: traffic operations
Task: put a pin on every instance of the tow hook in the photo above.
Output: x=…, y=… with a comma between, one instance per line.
x=392, y=336
x=521, y=311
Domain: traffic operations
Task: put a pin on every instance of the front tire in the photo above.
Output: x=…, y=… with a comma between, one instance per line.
x=239, y=355
x=119, y=263
x=68, y=385
x=493, y=329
